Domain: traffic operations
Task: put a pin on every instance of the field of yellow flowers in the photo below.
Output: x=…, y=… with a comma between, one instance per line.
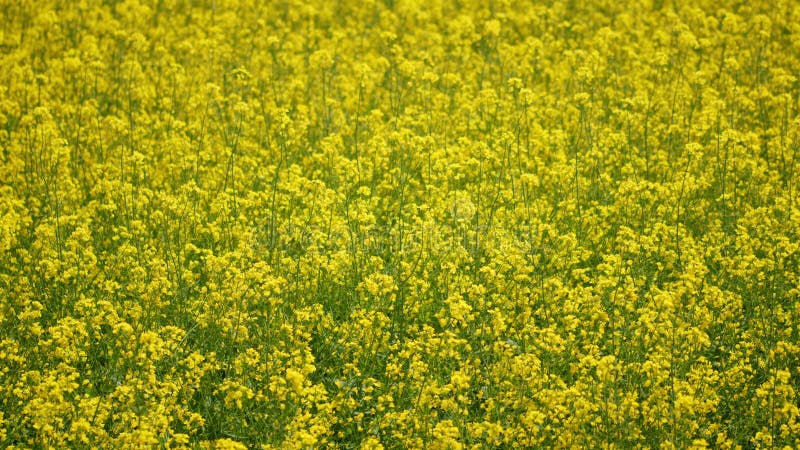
x=230, y=224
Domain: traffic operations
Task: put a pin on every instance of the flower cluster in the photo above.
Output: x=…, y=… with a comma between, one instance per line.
x=399, y=224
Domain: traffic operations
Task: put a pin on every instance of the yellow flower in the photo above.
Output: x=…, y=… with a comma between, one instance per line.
x=296, y=379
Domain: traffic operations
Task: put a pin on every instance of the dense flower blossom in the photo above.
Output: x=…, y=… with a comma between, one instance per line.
x=399, y=224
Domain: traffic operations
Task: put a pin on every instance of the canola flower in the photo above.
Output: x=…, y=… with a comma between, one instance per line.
x=399, y=224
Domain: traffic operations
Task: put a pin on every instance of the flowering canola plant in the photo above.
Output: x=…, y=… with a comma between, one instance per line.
x=399, y=224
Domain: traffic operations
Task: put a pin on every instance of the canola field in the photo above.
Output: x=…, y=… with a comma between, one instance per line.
x=230, y=224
